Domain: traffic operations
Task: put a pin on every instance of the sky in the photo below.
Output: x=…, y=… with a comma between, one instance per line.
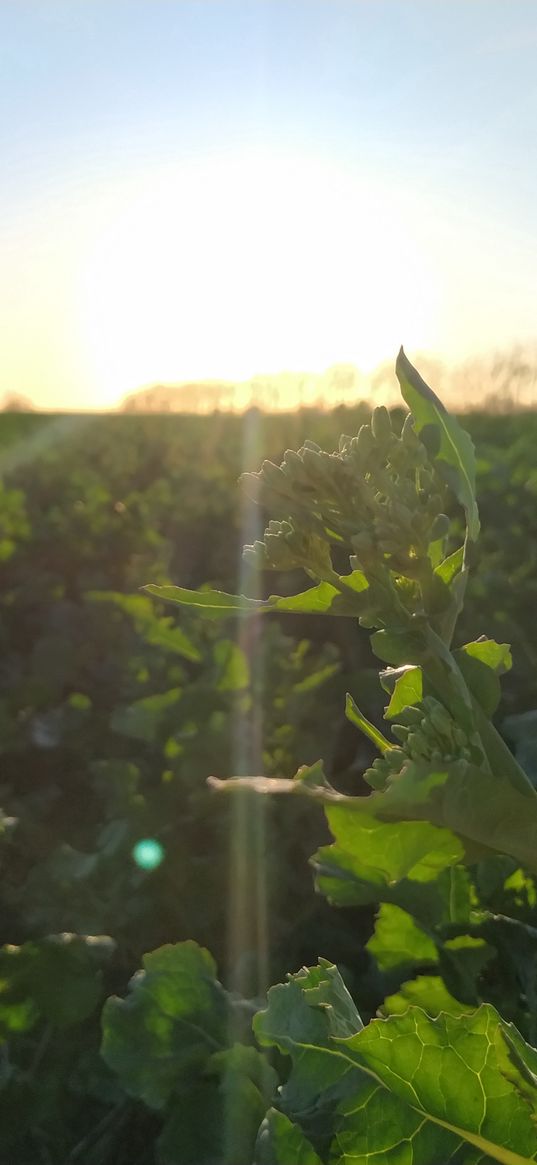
x=210, y=189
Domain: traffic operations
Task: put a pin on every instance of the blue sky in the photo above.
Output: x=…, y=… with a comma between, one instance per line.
x=133, y=130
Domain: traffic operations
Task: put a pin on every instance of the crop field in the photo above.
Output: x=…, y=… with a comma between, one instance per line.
x=115, y=708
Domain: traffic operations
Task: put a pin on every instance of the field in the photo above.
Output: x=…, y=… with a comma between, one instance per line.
x=114, y=710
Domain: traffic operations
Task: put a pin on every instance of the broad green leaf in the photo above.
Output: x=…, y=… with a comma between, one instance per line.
x=370, y=857
x=480, y=808
x=450, y=1069
x=397, y=648
x=360, y=721
x=215, y=1120
x=173, y=1020
x=459, y=1087
x=408, y=691
x=280, y=1142
x=323, y=599
x=247, y=1085
x=519, y=1065
x=485, y=812
x=192, y=1131
x=481, y=663
x=428, y=992
x=376, y=1127
x=496, y=656
x=398, y=941
x=455, y=458
x=58, y=978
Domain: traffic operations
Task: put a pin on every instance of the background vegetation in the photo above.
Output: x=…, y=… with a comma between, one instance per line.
x=113, y=712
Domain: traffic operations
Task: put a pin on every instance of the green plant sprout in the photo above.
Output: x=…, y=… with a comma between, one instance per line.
x=443, y=1074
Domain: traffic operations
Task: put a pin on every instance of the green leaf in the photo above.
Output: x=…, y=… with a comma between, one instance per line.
x=408, y=691
x=398, y=941
x=397, y=648
x=450, y=1069
x=456, y=1088
x=301, y=1017
x=455, y=459
x=192, y=1132
x=215, y=1120
x=323, y=599
x=485, y=812
x=233, y=666
x=58, y=978
x=360, y=721
x=281, y=1142
x=174, y=1018
x=451, y=566
x=315, y=679
x=481, y=663
x=208, y=602
x=158, y=632
x=370, y=859
x=428, y=992
x=377, y=1128
x=480, y=808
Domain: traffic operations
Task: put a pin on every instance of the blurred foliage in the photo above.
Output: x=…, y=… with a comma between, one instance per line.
x=113, y=712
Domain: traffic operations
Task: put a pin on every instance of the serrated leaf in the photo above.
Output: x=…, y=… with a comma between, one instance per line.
x=455, y=457
x=301, y=1017
x=372, y=1110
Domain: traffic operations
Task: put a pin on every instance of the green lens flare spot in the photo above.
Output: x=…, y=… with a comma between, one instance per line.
x=148, y=853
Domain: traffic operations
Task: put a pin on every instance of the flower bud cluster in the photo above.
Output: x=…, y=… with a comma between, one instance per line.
x=428, y=733
x=379, y=498
x=285, y=548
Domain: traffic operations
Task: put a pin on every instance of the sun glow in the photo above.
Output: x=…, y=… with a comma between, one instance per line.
x=231, y=268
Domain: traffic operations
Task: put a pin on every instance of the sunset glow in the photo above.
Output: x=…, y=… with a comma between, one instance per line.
x=198, y=192
x=246, y=266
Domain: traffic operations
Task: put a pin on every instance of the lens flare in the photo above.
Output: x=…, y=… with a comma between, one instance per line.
x=148, y=853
